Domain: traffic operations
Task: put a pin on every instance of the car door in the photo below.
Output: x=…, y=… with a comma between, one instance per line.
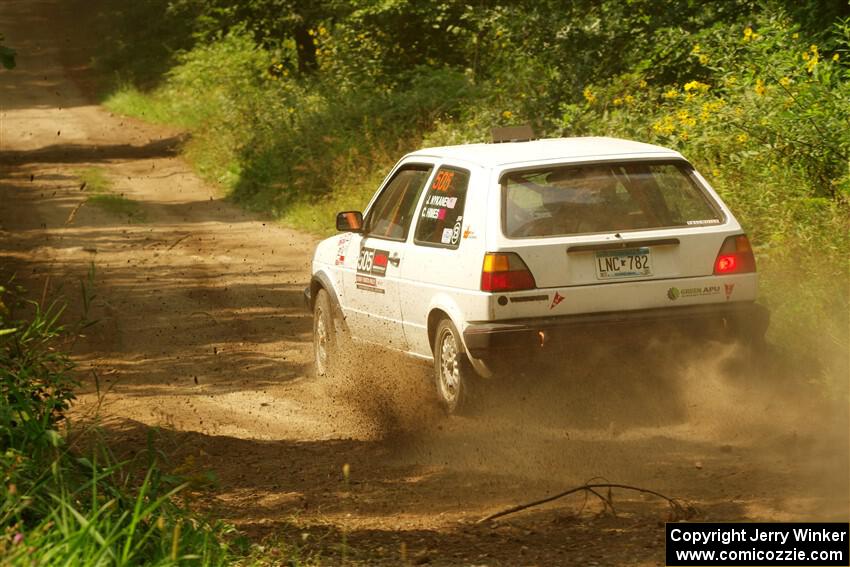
x=371, y=268
x=434, y=263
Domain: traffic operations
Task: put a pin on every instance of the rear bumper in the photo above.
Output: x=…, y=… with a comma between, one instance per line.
x=747, y=319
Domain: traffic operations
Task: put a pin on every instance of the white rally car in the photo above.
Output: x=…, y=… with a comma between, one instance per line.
x=470, y=255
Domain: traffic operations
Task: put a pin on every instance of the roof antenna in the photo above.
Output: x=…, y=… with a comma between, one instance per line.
x=521, y=133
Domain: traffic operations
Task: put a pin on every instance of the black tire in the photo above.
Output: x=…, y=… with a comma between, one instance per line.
x=454, y=376
x=325, y=338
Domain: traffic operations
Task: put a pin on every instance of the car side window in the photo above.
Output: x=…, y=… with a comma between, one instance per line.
x=392, y=212
x=441, y=218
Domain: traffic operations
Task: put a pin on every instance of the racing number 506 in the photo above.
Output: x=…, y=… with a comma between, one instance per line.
x=364, y=262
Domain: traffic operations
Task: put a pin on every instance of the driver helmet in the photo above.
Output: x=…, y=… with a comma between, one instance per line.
x=577, y=185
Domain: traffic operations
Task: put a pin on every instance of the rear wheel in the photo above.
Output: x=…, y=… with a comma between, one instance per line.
x=453, y=372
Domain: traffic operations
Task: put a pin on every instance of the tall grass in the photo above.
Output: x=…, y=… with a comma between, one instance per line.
x=64, y=498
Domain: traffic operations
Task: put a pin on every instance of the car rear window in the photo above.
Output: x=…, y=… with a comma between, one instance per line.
x=608, y=197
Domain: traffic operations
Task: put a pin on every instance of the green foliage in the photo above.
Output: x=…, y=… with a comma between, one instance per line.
x=35, y=384
x=276, y=142
x=99, y=187
x=7, y=55
x=754, y=92
x=60, y=504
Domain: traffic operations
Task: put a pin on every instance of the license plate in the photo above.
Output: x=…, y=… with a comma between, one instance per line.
x=627, y=263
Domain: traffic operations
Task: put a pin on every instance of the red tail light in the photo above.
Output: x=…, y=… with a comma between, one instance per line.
x=735, y=257
x=505, y=272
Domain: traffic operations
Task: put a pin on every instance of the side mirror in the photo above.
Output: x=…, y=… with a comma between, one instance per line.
x=349, y=221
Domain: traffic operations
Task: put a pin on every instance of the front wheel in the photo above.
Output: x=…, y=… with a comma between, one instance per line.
x=324, y=335
x=453, y=372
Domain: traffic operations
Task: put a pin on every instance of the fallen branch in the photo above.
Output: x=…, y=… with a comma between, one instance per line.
x=179, y=240
x=679, y=510
x=74, y=213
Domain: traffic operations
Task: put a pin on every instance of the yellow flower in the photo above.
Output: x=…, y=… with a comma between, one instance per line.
x=589, y=96
x=683, y=135
x=836, y=57
x=703, y=59
x=760, y=88
x=742, y=137
x=812, y=61
x=617, y=101
x=695, y=49
x=696, y=86
x=785, y=81
x=748, y=33
x=671, y=94
x=642, y=83
x=795, y=36
x=323, y=30
x=805, y=56
x=664, y=126
x=685, y=118
x=507, y=115
x=629, y=99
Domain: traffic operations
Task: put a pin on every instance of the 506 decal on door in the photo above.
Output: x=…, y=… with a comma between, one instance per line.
x=372, y=261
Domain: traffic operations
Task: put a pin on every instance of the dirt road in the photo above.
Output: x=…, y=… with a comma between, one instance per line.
x=202, y=334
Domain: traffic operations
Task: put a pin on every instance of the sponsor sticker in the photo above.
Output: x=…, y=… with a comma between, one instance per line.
x=373, y=289
x=675, y=293
x=366, y=280
x=341, y=246
x=728, y=288
x=702, y=222
x=527, y=298
x=468, y=233
x=456, y=230
x=556, y=300
x=446, y=238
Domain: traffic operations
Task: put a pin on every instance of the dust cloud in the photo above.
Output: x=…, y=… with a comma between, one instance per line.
x=700, y=418
x=382, y=395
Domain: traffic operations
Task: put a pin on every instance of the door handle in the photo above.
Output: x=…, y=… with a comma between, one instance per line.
x=395, y=259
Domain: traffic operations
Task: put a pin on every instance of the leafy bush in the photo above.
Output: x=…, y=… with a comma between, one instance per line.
x=301, y=112
x=58, y=506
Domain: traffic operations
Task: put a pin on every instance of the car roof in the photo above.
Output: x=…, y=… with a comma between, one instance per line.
x=550, y=149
